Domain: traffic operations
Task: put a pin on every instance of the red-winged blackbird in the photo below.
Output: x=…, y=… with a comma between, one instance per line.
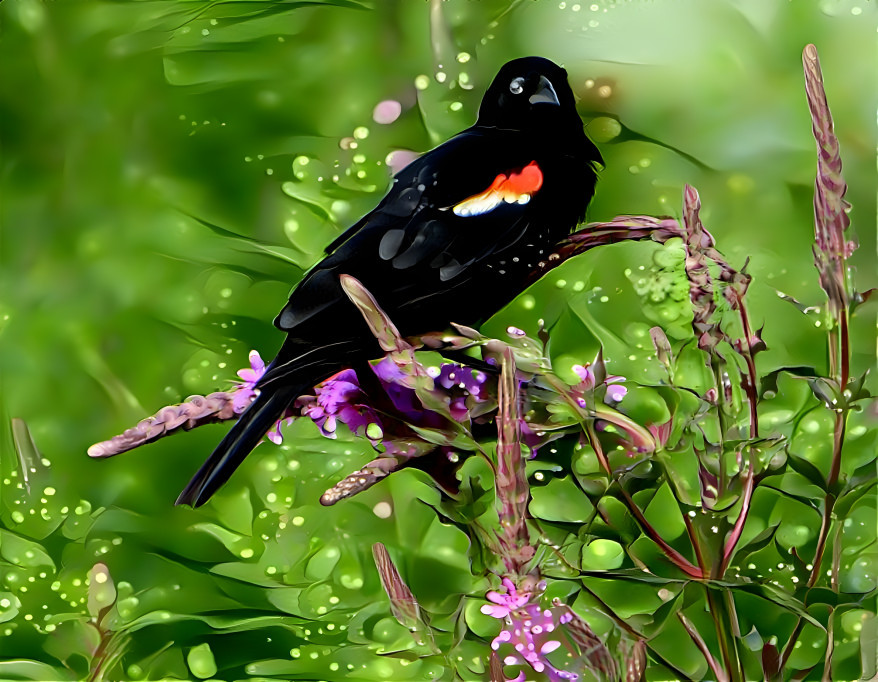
x=454, y=240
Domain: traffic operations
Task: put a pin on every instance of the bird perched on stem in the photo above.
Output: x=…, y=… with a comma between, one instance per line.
x=454, y=240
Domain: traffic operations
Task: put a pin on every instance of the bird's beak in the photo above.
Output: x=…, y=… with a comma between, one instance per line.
x=545, y=93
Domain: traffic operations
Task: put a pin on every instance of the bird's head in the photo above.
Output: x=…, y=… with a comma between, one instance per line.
x=527, y=92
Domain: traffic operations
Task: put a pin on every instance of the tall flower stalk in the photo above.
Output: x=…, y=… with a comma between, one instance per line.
x=510, y=482
x=831, y=250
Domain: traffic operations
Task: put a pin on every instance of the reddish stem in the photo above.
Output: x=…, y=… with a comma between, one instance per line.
x=672, y=554
x=735, y=535
x=747, y=353
x=693, y=538
x=715, y=666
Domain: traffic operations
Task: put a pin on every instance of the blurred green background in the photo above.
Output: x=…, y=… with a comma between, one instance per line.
x=126, y=126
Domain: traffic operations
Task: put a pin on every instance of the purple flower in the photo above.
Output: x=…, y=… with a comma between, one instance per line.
x=535, y=436
x=403, y=397
x=615, y=391
x=504, y=604
x=460, y=382
x=531, y=631
x=588, y=382
x=470, y=380
x=339, y=399
x=452, y=382
x=245, y=392
x=275, y=435
x=586, y=376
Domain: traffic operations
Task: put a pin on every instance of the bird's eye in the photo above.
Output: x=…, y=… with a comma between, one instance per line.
x=516, y=87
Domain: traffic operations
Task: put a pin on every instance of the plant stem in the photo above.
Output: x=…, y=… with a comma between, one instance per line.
x=829, y=500
x=735, y=535
x=716, y=367
x=605, y=608
x=714, y=665
x=788, y=649
x=836, y=558
x=727, y=644
x=837, y=444
x=830, y=646
x=825, y=526
x=696, y=545
x=751, y=380
x=672, y=554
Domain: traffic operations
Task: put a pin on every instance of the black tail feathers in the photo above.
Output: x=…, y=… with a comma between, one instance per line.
x=265, y=410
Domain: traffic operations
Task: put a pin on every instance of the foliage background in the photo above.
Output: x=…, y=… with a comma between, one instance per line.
x=123, y=122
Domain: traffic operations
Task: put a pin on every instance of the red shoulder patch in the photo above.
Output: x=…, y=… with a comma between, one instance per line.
x=527, y=181
x=515, y=188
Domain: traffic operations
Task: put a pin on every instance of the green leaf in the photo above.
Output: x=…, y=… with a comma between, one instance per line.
x=616, y=515
x=663, y=514
x=806, y=469
x=850, y=497
x=868, y=647
x=101, y=590
x=602, y=554
x=20, y=551
x=768, y=383
x=33, y=670
x=560, y=500
x=868, y=472
x=201, y=661
x=234, y=510
x=29, y=457
x=775, y=595
x=759, y=542
x=9, y=606
x=322, y=563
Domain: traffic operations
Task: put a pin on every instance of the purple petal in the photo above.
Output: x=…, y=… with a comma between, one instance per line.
x=249, y=376
x=616, y=392
x=494, y=611
x=275, y=435
x=549, y=646
x=242, y=398
x=387, y=371
x=256, y=362
x=496, y=597
x=586, y=376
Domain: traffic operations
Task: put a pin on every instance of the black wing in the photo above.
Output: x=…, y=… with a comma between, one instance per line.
x=424, y=244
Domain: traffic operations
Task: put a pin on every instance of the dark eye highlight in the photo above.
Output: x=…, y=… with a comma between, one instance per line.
x=516, y=87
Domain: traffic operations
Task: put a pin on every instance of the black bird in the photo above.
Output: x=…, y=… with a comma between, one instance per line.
x=454, y=240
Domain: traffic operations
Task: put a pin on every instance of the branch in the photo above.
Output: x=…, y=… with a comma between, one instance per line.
x=197, y=410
